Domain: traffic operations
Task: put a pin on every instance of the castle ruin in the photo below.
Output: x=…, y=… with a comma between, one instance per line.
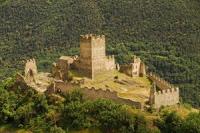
x=127, y=83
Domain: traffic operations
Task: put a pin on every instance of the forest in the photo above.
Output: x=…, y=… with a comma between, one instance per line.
x=164, y=33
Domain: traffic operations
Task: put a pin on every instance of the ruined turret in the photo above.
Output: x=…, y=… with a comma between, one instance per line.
x=30, y=70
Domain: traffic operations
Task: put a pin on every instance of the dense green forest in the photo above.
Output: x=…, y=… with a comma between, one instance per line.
x=23, y=108
x=164, y=33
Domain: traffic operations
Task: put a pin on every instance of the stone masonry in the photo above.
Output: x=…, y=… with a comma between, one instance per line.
x=134, y=69
x=166, y=96
x=30, y=70
x=61, y=68
x=93, y=59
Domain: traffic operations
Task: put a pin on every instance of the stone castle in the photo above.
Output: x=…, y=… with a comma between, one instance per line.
x=99, y=76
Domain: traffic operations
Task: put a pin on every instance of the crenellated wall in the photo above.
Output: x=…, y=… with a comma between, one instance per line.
x=169, y=94
x=160, y=83
x=94, y=94
x=166, y=97
x=91, y=93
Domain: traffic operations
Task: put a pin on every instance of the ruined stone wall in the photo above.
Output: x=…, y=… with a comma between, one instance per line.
x=134, y=69
x=166, y=97
x=30, y=70
x=61, y=68
x=160, y=83
x=136, y=65
x=142, y=69
x=110, y=63
x=90, y=93
x=59, y=86
x=127, y=69
x=94, y=94
x=169, y=94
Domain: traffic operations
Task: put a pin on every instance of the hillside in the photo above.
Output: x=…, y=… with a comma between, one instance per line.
x=24, y=110
x=164, y=33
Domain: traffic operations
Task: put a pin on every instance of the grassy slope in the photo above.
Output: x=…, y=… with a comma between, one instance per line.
x=165, y=33
x=10, y=129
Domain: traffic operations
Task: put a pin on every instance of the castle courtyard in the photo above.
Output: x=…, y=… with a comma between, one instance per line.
x=132, y=88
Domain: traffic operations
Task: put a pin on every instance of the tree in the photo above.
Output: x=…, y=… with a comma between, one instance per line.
x=191, y=124
x=170, y=123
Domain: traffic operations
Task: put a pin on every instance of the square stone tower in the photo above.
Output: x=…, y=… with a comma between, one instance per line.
x=92, y=54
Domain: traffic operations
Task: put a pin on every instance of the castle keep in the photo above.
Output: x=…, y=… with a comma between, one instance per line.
x=99, y=76
x=93, y=59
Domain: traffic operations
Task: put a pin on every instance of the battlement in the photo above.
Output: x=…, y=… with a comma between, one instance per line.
x=110, y=57
x=161, y=83
x=92, y=37
x=167, y=91
x=168, y=94
x=165, y=98
x=98, y=93
x=101, y=89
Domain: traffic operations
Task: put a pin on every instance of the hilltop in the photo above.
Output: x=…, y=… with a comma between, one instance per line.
x=164, y=33
x=23, y=111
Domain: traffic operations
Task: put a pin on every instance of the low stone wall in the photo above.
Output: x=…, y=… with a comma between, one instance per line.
x=93, y=94
x=90, y=93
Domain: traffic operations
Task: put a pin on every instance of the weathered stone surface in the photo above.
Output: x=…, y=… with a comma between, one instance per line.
x=30, y=70
x=61, y=68
x=93, y=63
x=169, y=95
x=91, y=93
x=135, y=68
x=93, y=58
